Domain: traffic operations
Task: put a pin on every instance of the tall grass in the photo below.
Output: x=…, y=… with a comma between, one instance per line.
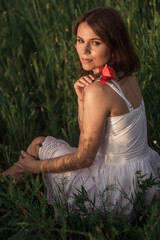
x=37, y=72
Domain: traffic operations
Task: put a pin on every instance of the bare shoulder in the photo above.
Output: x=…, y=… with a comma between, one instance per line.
x=97, y=96
x=96, y=89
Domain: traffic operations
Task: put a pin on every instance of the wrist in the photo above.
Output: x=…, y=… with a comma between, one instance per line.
x=44, y=166
x=80, y=100
x=41, y=166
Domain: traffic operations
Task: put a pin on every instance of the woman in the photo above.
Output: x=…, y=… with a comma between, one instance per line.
x=111, y=115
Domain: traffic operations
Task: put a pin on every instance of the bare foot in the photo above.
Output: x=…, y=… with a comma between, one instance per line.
x=14, y=172
x=10, y=171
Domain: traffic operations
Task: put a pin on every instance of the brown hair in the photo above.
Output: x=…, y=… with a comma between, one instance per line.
x=108, y=25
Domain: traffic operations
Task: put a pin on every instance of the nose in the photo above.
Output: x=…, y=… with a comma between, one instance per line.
x=86, y=48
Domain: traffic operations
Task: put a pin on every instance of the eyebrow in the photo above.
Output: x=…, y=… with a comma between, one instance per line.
x=90, y=39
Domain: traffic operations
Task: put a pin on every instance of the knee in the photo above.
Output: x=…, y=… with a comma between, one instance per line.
x=38, y=141
x=33, y=148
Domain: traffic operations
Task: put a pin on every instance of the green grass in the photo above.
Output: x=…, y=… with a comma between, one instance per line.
x=37, y=72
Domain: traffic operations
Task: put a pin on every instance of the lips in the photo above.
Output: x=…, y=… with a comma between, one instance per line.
x=86, y=60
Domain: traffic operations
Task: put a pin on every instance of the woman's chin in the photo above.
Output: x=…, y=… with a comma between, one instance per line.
x=87, y=68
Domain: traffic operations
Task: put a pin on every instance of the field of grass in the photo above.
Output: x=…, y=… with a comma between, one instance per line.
x=38, y=67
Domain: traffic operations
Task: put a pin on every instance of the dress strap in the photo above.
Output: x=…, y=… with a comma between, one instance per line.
x=119, y=91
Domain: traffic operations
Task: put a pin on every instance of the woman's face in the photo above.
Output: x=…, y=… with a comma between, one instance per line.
x=93, y=53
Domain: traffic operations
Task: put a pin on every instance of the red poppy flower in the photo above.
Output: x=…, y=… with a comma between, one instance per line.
x=107, y=73
x=23, y=211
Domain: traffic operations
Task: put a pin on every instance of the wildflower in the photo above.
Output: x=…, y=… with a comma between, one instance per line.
x=23, y=211
x=56, y=39
x=47, y=5
x=66, y=29
x=16, y=89
x=155, y=142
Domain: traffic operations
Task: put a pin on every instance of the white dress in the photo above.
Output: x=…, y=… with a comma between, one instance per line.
x=111, y=182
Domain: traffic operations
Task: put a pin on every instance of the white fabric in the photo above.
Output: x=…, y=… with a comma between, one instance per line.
x=111, y=180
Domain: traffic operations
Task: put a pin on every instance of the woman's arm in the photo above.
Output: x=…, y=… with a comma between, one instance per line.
x=80, y=86
x=94, y=124
x=80, y=114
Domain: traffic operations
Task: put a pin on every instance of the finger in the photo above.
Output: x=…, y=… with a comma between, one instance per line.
x=18, y=164
x=79, y=84
x=20, y=171
x=85, y=80
x=89, y=78
x=24, y=154
x=21, y=157
x=92, y=77
x=20, y=168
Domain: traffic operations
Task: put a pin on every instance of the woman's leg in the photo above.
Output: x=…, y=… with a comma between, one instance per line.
x=33, y=150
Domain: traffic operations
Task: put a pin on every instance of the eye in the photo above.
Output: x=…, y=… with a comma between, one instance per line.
x=79, y=40
x=96, y=43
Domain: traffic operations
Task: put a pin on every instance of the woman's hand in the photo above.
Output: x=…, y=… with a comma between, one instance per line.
x=28, y=164
x=81, y=83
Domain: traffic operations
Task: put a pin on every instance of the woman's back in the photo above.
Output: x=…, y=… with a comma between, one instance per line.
x=126, y=134
x=131, y=91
